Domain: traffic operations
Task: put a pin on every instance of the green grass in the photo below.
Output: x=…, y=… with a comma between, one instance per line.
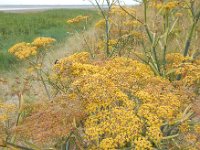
x=18, y=27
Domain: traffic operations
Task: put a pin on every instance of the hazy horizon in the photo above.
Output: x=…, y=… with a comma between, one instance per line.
x=32, y=8
x=52, y=2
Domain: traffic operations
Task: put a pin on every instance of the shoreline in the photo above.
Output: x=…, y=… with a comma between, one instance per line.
x=39, y=8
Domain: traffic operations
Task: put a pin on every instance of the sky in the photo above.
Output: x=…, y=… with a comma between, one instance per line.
x=51, y=2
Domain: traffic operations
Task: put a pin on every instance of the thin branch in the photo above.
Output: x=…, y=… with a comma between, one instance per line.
x=129, y=13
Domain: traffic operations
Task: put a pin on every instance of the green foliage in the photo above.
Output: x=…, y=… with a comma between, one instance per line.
x=18, y=27
x=7, y=60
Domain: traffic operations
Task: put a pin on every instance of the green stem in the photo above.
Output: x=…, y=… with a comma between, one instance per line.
x=145, y=20
x=170, y=137
x=164, y=58
x=88, y=46
x=189, y=39
x=106, y=18
x=156, y=59
x=107, y=36
x=45, y=86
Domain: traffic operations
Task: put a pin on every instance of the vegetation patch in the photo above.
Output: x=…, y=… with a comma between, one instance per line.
x=24, y=27
x=134, y=85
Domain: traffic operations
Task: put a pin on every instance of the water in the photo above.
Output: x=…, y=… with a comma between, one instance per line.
x=22, y=8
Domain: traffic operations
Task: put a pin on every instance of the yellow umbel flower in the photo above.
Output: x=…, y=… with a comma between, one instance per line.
x=3, y=117
x=142, y=143
x=108, y=144
x=77, y=19
x=122, y=98
x=155, y=134
x=132, y=23
x=169, y=5
x=185, y=127
x=23, y=50
x=197, y=128
x=43, y=41
x=118, y=124
x=100, y=24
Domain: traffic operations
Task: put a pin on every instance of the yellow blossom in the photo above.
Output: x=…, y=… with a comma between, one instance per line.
x=155, y=134
x=184, y=127
x=77, y=19
x=23, y=50
x=192, y=138
x=142, y=143
x=43, y=41
x=197, y=129
x=122, y=98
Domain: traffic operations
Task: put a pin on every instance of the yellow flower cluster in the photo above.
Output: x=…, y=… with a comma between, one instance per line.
x=155, y=134
x=122, y=27
x=3, y=117
x=190, y=131
x=185, y=127
x=123, y=100
x=43, y=41
x=175, y=59
x=62, y=66
x=112, y=43
x=132, y=23
x=8, y=107
x=63, y=72
x=197, y=128
x=128, y=74
x=101, y=24
x=165, y=106
x=188, y=68
x=100, y=99
x=6, y=111
x=116, y=10
x=142, y=143
x=24, y=50
x=117, y=125
x=137, y=35
x=77, y=19
x=169, y=5
x=192, y=138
